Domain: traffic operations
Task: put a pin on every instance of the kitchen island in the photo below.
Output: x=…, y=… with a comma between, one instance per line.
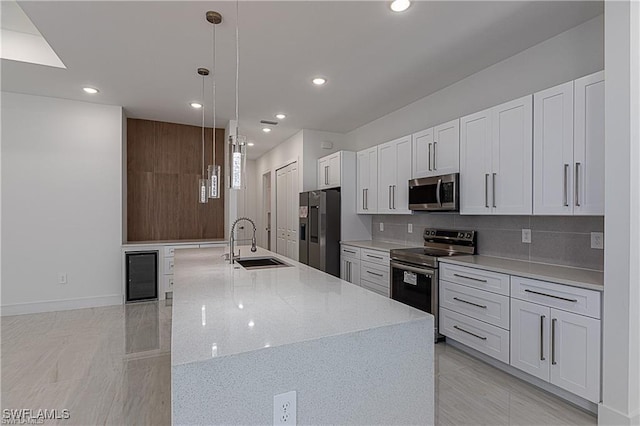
x=240, y=337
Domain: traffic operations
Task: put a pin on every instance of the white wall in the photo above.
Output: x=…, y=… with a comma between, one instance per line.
x=61, y=203
x=567, y=56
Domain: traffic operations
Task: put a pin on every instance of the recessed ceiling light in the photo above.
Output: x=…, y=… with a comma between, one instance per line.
x=400, y=5
x=251, y=144
x=196, y=105
x=90, y=90
x=319, y=81
x=251, y=324
x=281, y=116
x=266, y=129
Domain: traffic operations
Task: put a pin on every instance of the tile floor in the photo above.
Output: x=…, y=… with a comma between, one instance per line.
x=112, y=366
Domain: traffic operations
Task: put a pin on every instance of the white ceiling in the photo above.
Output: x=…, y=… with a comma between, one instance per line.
x=144, y=55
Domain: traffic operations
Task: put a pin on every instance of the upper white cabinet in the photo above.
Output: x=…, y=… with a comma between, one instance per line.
x=329, y=175
x=496, y=159
x=394, y=172
x=569, y=148
x=367, y=181
x=436, y=151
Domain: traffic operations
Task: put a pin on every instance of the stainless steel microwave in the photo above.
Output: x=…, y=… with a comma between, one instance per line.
x=435, y=193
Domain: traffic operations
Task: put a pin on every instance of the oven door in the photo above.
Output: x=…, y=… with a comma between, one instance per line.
x=437, y=193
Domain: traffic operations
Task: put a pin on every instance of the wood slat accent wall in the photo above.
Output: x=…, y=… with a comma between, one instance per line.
x=163, y=167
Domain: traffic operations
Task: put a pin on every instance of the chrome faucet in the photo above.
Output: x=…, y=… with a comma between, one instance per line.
x=232, y=239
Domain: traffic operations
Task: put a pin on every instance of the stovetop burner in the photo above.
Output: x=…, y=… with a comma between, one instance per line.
x=437, y=243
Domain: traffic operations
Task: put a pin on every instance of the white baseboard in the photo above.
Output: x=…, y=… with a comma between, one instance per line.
x=608, y=416
x=60, y=305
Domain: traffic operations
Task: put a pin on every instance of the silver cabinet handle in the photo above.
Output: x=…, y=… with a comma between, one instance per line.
x=349, y=271
x=541, y=337
x=468, y=332
x=429, y=156
x=374, y=273
x=565, y=189
x=434, y=156
x=486, y=190
x=493, y=195
x=553, y=341
x=374, y=257
x=389, y=197
x=393, y=197
x=363, y=197
x=550, y=295
x=470, y=278
x=470, y=303
x=366, y=193
x=577, y=186
x=349, y=251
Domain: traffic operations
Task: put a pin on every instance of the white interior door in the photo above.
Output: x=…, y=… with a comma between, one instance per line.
x=281, y=211
x=293, y=199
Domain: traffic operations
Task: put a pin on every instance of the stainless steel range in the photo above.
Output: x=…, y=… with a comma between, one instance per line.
x=414, y=271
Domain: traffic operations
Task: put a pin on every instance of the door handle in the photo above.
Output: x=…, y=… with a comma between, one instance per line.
x=363, y=205
x=470, y=303
x=565, y=189
x=553, y=341
x=434, y=156
x=393, y=197
x=486, y=190
x=468, y=332
x=429, y=156
x=326, y=175
x=493, y=190
x=541, y=337
x=389, y=197
x=367, y=198
x=577, y=185
x=374, y=273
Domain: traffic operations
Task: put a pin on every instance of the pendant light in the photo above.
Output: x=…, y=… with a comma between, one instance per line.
x=213, y=170
x=237, y=143
x=203, y=182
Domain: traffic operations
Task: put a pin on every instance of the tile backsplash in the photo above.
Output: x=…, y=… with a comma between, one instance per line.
x=561, y=240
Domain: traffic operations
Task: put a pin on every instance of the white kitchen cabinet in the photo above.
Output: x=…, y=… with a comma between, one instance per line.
x=329, y=171
x=496, y=160
x=569, y=148
x=436, y=151
x=394, y=172
x=350, y=269
x=559, y=347
x=367, y=181
x=588, y=149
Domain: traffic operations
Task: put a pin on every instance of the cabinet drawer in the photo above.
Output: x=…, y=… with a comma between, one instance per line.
x=478, y=278
x=350, y=251
x=375, y=287
x=168, y=283
x=566, y=298
x=169, y=251
x=378, y=257
x=482, y=305
x=168, y=265
x=375, y=273
x=483, y=337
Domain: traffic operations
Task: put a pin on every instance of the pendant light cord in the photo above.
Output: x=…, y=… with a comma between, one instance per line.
x=203, y=127
x=237, y=66
x=214, y=96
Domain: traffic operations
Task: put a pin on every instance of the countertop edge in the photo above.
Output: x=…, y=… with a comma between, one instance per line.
x=531, y=275
x=371, y=245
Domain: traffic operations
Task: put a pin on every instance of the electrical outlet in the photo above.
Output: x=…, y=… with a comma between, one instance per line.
x=284, y=409
x=526, y=236
x=597, y=240
x=381, y=226
x=62, y=278
x=410, y=228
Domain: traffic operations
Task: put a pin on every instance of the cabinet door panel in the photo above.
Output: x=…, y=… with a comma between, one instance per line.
x=386, y=175
x=334, y=170
x=530, y=337
x=446, y=148
x=553, y=150
x=363, y=182
x=323, y=173
x=400, y=191
x=575, y=354
x=422, y=154
x=371, y=201
x=512, y=160
x=475, y=163
x=589, y=145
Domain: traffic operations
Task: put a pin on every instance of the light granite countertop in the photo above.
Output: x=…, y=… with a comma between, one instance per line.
x=576, y=277
x=221, y=309
x=376, y=245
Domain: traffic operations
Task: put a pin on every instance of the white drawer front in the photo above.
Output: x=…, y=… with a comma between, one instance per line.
x=168, y=283
x=168, y=265
x=484, y=280
x=374, y=273
x=571, y=299
x=350, y=251
x=379, y=257
x=482, y=305
x=169, y=251
x=375, y=287
x=478, y=335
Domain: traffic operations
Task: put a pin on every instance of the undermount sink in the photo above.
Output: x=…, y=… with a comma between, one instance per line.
x=261, y=263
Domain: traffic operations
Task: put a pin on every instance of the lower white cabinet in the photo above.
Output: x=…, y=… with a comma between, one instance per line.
x=350, y=269
x=560, y=347
x=367, y=268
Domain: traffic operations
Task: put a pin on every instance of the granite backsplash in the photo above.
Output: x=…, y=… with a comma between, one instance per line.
x=560, y=240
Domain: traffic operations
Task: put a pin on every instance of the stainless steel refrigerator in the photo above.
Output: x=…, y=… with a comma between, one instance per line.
x=320, y=230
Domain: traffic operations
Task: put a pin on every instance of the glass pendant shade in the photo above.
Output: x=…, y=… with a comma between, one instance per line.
x=213, y=172
x=203, y=187
x=237, y=158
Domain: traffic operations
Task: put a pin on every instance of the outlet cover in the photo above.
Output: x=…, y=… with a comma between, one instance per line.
x=526, y=236
x=597, y=240
x=284, y=409
x=410, y=228
x=62, y=278
x=381, y=226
